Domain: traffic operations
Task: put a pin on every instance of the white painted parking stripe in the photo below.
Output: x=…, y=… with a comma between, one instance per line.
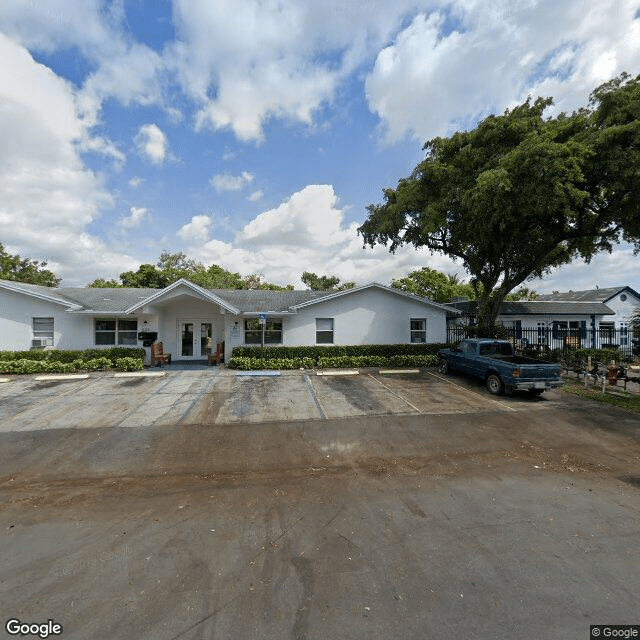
x=502, y=404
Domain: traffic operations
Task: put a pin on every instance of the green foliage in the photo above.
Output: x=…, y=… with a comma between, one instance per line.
x=129, y=364
x=57, y=361
x=13, y=267
x=97, y=364
x=324, y=283
x=435, y=285
x=173, y=266
x=385, y=355
x=520, y=194
x=252, y=364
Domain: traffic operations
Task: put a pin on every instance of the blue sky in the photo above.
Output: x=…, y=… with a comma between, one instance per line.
x=253, y=135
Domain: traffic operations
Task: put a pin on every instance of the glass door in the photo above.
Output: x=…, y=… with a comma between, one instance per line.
x=186, y=339
x=195, y=338
x=206, y=339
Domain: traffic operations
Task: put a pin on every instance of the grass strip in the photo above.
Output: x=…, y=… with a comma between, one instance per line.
x=623, y=399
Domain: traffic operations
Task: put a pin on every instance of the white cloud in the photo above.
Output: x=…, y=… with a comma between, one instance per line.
x=136, y=181
x=255, y=196
x=307, y=232
x=48, y=197
x=151, y=143
x=226, y=182
x=197, y=230
x=137, y=215
x=428, y=82
x=250, y=61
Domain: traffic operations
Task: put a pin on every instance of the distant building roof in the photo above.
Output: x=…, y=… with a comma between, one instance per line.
x=540, y=307
x=590, y=295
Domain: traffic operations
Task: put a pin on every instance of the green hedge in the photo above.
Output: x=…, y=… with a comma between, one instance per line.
x=356, y=356
x=56, y=361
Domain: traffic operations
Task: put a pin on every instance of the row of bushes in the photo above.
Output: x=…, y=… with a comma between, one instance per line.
x=24, y=362
x=577, y=358
x=329, y=351
x=321, y=357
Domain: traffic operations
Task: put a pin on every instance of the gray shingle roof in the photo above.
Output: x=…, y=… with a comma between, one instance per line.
x=541, y=307
x=591, y=295
x=257, y=300
x=119, y=300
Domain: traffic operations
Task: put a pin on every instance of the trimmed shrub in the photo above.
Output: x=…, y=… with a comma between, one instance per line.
x=58, y=361
x=97, y=364
x=129, y=364
x=251, y=364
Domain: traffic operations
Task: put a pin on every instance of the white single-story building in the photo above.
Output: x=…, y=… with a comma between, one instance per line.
x=594, y=318
x=190, y=320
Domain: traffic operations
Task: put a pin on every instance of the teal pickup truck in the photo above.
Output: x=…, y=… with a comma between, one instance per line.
x=495, y=362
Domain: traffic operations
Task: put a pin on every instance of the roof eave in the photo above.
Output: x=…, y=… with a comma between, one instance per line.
x=71, y=306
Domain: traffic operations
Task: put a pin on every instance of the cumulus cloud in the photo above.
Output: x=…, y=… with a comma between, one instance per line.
x=226, y=182
x=431, y=79
x=48, y=196
x=251, y=61
x=306, y=232
x=137, y=215
x=151, y=143
x=197, y=230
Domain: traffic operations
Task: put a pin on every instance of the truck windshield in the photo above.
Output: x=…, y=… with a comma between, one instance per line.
x=496, y=349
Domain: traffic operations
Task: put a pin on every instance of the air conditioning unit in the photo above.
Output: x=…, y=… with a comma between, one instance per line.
x=39, y=342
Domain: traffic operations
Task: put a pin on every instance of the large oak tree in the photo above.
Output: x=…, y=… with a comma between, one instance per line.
x=522, y=193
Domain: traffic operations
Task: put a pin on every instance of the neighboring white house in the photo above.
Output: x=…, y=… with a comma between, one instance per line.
x=598, y=317
x=191, y=320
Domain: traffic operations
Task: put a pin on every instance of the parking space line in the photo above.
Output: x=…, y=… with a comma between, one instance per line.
x=319, y=406
x=502, y=404
x=413, y=406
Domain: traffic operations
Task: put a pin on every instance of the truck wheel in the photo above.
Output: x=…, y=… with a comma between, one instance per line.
x=443, y=366
x=494, y=384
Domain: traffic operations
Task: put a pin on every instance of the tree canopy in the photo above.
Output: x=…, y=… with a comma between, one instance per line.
x=173, y=266
x=324, y=283
x=13, y=267
x=440, y=287
x=520, y=194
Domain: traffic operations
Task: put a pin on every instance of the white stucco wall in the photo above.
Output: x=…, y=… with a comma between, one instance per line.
x=370, y=316
x=624, y=309
x=16, y=323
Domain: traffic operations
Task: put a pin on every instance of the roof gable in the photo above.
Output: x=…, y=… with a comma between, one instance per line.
x=375, y=285
x=192, y=289
x=47, y=294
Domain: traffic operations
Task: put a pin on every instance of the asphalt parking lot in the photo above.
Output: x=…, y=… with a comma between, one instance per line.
x=202, y=505
x=212, y=396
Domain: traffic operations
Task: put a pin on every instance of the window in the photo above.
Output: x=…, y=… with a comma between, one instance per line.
x=418, y=330
x=43, y=329
x=112, y=331
x=257, y=333
x=273, y=332
x=324, y=330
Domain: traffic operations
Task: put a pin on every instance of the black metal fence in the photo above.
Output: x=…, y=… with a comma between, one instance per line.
x=547, y=338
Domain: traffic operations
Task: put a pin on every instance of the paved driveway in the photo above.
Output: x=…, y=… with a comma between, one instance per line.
x=220, y=396
x=432, y=510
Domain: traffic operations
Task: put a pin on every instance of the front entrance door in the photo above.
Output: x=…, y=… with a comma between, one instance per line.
x=195, y=339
